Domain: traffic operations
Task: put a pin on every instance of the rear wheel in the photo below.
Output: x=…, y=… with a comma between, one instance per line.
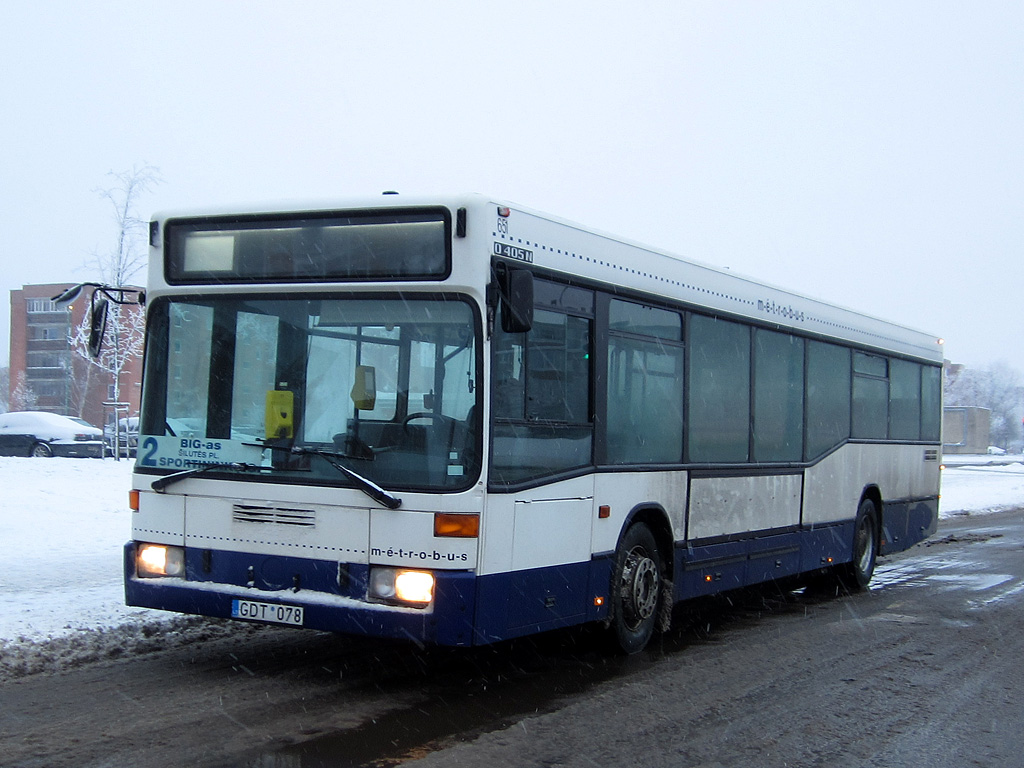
x=857, y=573
x=41, y=450
x=636, y=589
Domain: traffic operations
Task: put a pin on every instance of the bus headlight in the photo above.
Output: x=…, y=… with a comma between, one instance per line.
x=154, y=560
x=401, y=585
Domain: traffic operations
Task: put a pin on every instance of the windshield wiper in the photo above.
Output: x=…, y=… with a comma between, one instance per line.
x=161, y=483
x=365, y=485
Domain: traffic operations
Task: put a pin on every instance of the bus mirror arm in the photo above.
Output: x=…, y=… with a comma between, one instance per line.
x=98, y=308
x=492, y=306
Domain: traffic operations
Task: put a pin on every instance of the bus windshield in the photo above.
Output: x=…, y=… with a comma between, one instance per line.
x=385, y=387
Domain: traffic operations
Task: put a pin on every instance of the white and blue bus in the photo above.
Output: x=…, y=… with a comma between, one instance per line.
x=458, y=421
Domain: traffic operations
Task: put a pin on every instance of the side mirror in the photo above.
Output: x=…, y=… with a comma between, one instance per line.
x=97, y=326
x=364, y=389
x=516, y=289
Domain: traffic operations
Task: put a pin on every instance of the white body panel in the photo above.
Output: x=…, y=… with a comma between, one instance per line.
x=833, y=487
x=538, y=527
x=624, y=491
x=331, y=524
x=325, y=533
x=720, y=506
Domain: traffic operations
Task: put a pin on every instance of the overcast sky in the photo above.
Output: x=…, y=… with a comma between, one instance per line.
x=867, y=153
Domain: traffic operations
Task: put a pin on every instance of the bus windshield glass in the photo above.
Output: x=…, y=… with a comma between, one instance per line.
x=386, y=387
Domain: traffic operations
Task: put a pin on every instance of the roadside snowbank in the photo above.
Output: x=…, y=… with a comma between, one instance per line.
x=977, y=488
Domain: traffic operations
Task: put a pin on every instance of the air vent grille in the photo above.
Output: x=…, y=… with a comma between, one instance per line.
x=302, y=518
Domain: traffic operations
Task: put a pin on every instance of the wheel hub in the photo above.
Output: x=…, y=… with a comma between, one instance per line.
x=639, y=587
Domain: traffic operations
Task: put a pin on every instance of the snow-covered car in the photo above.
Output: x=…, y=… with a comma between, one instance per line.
x=129, y=437
x=995, y=450
x=38, y=433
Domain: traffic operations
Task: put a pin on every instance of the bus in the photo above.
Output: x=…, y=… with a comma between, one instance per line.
x=458, y=421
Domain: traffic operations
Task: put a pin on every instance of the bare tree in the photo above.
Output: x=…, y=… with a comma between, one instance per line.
x=121, y=264
x=116, y=268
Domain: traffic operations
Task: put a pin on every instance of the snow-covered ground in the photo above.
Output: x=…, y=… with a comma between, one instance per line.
x=979, y=484
x=63, y=523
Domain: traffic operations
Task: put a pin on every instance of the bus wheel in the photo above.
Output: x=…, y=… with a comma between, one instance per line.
x=857, y=573
x=636, y=588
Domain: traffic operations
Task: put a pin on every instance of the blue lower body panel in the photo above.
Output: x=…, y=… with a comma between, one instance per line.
x=476, y=610
x=467, y=609
x=906, y=523
x=706, y=569
x=540, y=599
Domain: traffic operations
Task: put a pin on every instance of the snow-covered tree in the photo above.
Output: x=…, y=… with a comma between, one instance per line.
x=123, y=339
x=23, y=397
x=5, y=388
x=123, y=343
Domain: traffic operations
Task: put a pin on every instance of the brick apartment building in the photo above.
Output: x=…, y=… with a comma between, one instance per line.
x=46, y=374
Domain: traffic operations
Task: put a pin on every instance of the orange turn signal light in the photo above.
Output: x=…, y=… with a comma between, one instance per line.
x=456, y=525
x=133, y=500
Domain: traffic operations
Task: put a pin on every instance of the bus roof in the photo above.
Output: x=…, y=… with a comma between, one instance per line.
x=559, y=245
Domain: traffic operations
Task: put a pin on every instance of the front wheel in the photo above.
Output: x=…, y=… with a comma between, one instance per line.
x=41, y=450
x=857, y=573
x=636, y=589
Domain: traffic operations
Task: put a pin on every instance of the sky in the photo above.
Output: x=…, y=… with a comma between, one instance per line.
x=870, y=154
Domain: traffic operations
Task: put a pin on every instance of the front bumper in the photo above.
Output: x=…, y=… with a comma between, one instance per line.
x=78, y=449
x=332, y=595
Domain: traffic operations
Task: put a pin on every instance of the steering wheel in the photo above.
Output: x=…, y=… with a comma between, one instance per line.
x=436, y=417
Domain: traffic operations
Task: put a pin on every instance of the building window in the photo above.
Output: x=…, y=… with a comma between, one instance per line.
x=48, y=332
x=34, y=306
x=46, y=360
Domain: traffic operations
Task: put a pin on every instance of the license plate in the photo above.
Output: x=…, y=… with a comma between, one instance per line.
x=270, y=612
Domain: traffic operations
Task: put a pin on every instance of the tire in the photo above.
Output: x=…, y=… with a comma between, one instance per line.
x=41, y=450
x=635, y=589
x=856, y=574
